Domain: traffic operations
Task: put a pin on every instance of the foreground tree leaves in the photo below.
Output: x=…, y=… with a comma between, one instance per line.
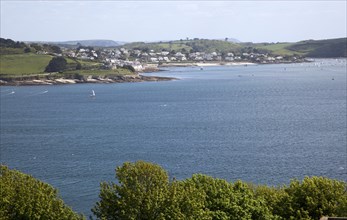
x=24, y=197
x=145, y=192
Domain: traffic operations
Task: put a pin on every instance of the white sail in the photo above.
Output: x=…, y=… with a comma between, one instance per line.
x=93, y=94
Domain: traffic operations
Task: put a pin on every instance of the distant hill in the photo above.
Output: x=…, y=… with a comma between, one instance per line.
x=94, y=43
x=86, y=43
x=229, y=39
x=322, y=48
x=309, y=48
x=201, y=45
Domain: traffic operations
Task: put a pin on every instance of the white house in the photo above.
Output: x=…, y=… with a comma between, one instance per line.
x=154, y=59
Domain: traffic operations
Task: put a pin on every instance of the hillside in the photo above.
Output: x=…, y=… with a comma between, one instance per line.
x=321, y=48
x=20, y=61
x=195, y=45
x=86, y=43
x=18, y=64
x=93, y=43
x=309, y=48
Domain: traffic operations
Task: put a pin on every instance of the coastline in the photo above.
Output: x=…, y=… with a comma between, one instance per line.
x=199, y=64
x=34, y=80
x=44, y=79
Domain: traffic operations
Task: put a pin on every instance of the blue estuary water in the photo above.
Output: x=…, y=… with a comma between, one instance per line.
x=264, y=124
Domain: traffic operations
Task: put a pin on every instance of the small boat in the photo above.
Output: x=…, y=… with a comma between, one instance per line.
x=93, y=94
x=201, y=68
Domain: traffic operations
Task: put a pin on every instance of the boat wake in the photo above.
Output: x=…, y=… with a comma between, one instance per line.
x=11, y=93
x=39, y=93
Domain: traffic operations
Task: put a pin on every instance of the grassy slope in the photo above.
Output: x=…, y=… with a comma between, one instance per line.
x=278, y=49
x=311, y=48
x=17, y=64
x=322, y=48
x=6, y=50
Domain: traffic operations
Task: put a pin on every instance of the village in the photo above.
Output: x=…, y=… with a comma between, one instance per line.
x=142, y=60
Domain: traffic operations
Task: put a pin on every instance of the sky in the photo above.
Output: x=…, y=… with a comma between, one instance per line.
x=129, y=21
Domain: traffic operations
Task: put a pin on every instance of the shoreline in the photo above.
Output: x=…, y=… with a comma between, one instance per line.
x=187, y=64
x=34, y=81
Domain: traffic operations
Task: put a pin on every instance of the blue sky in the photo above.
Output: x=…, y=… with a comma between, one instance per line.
x=256, y=21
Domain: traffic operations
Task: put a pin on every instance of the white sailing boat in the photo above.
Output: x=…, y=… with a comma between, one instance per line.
x=93, y=94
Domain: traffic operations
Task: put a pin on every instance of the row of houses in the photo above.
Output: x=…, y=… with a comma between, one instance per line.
x=113, y=57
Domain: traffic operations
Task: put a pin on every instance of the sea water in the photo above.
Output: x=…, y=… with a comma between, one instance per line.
x=264, y=124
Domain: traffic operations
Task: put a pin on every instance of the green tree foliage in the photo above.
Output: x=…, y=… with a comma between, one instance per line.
x=315, y=197
x=11, y=44
x=24, y=197
x=8, y=46
x=140, y=194
x=312, y=198
x=56, y=49
x=27, y=50
x=145, y=192
x=36, y=46
x=184, y=201
x=57, y=64
x=52, y=48
x=78, y=66
x=129, y=67
x=225, y=200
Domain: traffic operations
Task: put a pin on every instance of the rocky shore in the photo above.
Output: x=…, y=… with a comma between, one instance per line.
x=35, y=80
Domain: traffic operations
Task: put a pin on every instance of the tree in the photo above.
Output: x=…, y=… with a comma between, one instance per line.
x=78, y=66
x=55, y=49
x=24, y=197
x=226, y=200
x=315, y=197
x=36, y=46
x=57, y=64
x=129, y=67
x=185, y=201
x=144, y=192
x=27, y=50
x=183, y=50
x=141, y=193
x=312, y=198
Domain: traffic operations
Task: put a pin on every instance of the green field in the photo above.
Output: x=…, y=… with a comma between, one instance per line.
x=19, y=64
x=278, y=49
x=15, y=65
x=6, y=50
